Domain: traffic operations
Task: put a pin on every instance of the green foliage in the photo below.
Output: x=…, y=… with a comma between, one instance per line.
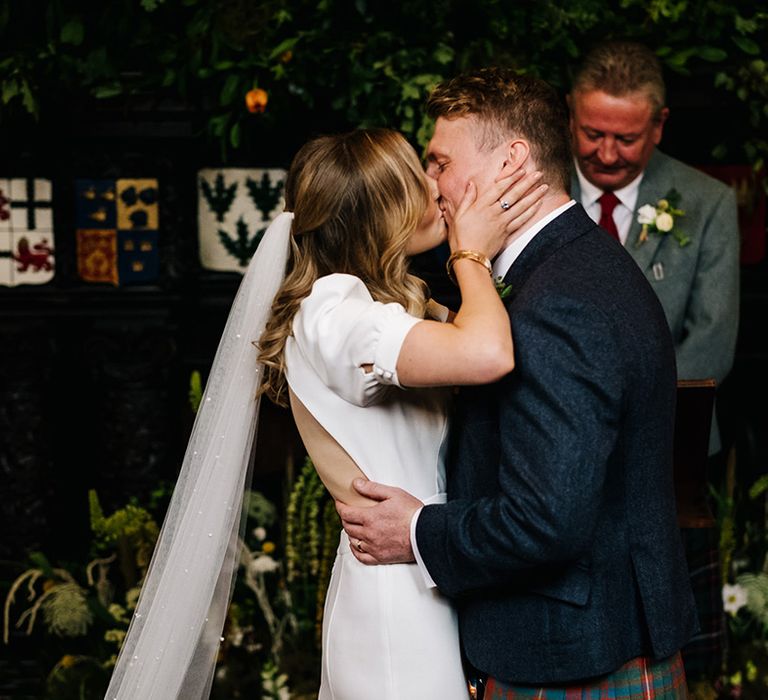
x=311, y=538
x=78, y=604
x=742, y=515
x=302, y=537
x=261, y=511
x=195, y=391
x=359, y=63
x=132, y=523
x=132, y=530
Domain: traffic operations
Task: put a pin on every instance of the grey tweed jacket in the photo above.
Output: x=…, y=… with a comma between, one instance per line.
x=698, y=285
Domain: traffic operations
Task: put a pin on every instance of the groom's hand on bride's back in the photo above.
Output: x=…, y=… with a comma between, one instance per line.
x=380, y=534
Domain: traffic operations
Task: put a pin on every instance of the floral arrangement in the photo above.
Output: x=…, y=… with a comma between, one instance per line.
x=271, y=642
x=661, y=219
x=743, y=523
x=90, y=615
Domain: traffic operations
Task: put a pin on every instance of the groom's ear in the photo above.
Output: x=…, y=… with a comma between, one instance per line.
x=518, y=153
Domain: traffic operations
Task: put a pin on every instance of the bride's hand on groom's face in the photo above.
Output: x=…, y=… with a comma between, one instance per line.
x=380, y=534
x=483, y=221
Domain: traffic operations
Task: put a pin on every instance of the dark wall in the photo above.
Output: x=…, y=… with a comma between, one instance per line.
x=94, y=378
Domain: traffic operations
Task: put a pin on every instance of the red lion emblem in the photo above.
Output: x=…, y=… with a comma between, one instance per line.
x=36, y=257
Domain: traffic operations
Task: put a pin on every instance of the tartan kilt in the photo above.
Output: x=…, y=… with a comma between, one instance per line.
x=638, y=679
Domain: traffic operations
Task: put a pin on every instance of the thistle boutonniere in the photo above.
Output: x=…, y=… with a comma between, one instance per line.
x=661, y=219
x=504, y=290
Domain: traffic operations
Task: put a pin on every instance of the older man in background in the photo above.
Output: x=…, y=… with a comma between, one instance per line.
x=681, y=228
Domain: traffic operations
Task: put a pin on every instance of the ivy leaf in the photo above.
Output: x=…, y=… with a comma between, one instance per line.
x=720, y=151
x=678, y=60
x=747, y=45
x=711, y=54
x=105, y=91
x=229, y=90
x=234, y=135
x=443, y=54
x=723, y=80
x=282, y=47
x=10, y=90
x=41, y=562
x=28, y=99
x=410, y=91
x=744, y=25
x=217, y=124
x=759, y=487
x=168, y=77
x=72, y=32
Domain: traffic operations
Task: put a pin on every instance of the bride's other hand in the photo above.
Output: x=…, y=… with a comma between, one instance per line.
x=481, y=223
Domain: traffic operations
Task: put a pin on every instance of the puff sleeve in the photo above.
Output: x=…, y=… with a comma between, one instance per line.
x=340, y=329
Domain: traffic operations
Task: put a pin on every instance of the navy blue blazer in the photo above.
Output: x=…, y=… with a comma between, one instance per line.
x=559, y=541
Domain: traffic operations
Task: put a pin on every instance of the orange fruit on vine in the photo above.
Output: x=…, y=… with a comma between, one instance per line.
x=256, y=100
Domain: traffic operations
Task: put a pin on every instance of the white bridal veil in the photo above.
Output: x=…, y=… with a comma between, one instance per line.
x=171, y=646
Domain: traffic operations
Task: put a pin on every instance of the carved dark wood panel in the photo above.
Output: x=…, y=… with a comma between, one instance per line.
x=26, y=366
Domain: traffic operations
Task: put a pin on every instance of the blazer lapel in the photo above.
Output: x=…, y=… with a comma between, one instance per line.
x=652, y=189
x=571, y=224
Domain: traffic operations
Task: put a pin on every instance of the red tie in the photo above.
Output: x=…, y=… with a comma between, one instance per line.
x=608, y=202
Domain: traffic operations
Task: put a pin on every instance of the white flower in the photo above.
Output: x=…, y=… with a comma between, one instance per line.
x=646, y=214
x=260, y=533
x=263, y=564
x=664, y=222
x=734, y=598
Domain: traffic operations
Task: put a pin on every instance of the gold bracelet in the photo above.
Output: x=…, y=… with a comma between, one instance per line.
x=470, y=255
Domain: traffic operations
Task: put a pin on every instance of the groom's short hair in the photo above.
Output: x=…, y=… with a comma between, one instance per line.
x=508, y=104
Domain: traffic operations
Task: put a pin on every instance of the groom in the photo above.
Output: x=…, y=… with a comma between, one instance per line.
x=559, y=542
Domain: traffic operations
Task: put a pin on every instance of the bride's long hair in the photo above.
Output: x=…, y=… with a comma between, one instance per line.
x=356, y=199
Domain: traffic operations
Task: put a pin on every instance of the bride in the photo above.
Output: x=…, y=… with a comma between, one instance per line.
x=345, y=335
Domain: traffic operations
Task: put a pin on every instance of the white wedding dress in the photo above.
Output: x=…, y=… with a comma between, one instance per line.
x=386, y=635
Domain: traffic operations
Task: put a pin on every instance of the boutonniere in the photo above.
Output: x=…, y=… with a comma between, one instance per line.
x=661, y=219
x=504, y=290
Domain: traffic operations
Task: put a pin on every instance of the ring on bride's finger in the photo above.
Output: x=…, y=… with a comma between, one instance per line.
x=504, y=204
x=359, y=545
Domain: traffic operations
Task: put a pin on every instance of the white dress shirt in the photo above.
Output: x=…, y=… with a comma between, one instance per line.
x=622, y=214
x=501, y=265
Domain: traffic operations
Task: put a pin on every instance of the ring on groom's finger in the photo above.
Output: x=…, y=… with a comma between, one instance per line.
x=359, y=545
x=504, y=204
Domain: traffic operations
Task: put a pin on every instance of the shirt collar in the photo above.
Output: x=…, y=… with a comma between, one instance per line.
x=506, y=257
x=590, y=193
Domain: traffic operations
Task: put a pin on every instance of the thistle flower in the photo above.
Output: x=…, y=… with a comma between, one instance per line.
x=66, y=611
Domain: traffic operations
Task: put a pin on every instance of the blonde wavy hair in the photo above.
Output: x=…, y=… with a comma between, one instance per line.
x=356, y=199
